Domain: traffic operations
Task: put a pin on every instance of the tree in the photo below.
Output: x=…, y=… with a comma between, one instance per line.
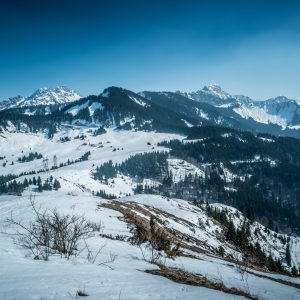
x=56, y=184
x=288, y=254
x=294, y=271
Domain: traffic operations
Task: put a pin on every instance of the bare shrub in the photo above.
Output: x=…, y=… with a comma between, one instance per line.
x=95, y=226
x=92, y=256
x=154, y=238
x=81, y=293
x=52, y=232
x=108, y=262
x=78, y=293
x=118, y=237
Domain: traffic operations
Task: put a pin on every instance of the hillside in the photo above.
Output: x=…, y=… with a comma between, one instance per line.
x=143, y=191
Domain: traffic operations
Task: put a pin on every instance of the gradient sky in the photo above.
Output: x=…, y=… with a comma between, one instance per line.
x=247, y=47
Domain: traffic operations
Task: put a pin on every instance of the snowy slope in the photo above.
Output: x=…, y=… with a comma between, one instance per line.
x=180, y=169
x=280, y=111
x=113, y=145
x=60, y=279
x=125, y=278
x=22, y=277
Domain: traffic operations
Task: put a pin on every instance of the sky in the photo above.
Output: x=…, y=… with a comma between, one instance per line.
x=247, y=47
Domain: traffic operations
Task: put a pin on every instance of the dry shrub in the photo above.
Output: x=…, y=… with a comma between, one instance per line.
x=52, y=232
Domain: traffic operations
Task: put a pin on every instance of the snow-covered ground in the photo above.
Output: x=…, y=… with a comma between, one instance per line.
x=22, y=277
x=113, y=145
x=180, y=169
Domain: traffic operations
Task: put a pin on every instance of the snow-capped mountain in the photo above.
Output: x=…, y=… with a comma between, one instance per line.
x=212, y=94
x=58, y=95
x=166, y=110
x=42, y=97
x=279, y=111
x=279, y=116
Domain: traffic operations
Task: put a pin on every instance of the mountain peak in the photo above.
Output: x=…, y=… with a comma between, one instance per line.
x=57, y=95
x=216, y=90
x=43, y=96
x=282, y=99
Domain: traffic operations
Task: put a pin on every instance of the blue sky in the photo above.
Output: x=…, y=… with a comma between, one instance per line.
x=247, y=47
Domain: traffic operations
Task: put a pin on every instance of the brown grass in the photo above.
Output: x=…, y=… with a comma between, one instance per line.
x=129, y=209
x=184, y=277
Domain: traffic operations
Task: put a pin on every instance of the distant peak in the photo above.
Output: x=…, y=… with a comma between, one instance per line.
x=43, y=96
x=58, y=89
x=212, y=87
x=105, y=93
x=283, y=100
x=216, y=90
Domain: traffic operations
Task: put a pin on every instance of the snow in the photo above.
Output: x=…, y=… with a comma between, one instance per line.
x=216, y=91
x=126, y=143
x=225, y=105
x=187, y=123
x=25, y=278
x=217, y=270
x=280, y=111
x=74, y=110
x=194, y=140
x=228, y=176
x=267, y=140
x=94, y=106
x=106, y=93
x=260, y=115
x=269, y=240
x=43, y=96
x=296, y=127
x=203, y=115
x=255, y=159
x=139, y=101
x=180, y=169
x=21, y=277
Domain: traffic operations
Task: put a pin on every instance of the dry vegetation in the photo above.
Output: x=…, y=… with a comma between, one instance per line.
x=141, y=227
x=184, y=277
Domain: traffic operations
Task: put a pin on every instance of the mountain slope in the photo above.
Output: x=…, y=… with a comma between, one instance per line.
x=210, y=109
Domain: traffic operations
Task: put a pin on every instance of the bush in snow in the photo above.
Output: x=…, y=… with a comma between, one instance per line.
x=52, y=232
x=154, y=238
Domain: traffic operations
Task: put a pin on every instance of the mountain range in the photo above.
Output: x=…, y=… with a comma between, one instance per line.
x=278, y=111
x=211, y=105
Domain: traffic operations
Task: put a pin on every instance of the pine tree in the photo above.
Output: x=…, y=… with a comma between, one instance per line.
x=288, y=254
x=294, y=271
x=56, y=184
x=231, y=233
